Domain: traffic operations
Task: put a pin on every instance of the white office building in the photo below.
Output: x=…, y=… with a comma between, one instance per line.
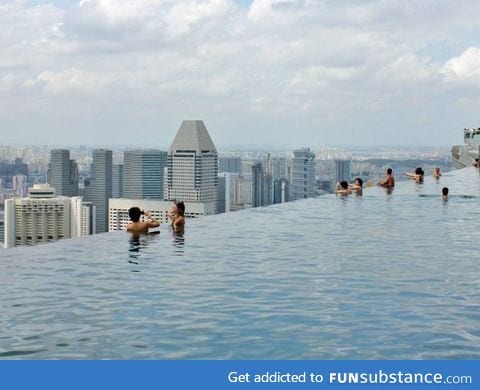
x=118, y=211
x=42, y=217
x=192, y=168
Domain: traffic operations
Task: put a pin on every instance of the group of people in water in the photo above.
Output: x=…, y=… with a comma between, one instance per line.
x=138, y=226
x=344, y=188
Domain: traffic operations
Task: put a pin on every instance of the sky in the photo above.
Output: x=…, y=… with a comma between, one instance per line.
x=263, y=72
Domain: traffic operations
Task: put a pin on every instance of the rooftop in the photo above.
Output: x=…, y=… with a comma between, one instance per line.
x=383, y=276
x=192, y=135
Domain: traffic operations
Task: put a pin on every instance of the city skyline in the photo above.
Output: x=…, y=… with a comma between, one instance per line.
x=348, y=74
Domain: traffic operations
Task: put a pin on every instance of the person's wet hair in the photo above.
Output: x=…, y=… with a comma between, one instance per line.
x=389, y=171
x=419, y=171
x=445, y=191
x=134, y=214
x=360, y=181
x=181, y=208
x=344, y=185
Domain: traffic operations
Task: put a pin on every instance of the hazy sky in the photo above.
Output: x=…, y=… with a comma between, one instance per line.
x=282, y=72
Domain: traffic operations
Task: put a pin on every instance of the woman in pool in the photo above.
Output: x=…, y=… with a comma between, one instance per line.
x=417, y=176
x=177, y=215
x=357, y=186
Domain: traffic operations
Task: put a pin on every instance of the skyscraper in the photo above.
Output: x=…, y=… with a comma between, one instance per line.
x=242, y=193
x=303, y=174
x=63, y=173
x=262, y=186
x=342, y=171
x=20, y=185
x=225, y=191
x=2, y=224
x=98, y=188
x=229, y=164
x=281, y=191
x=42, y=217
x=143, y=172
x=192, y=168
x=117, y=181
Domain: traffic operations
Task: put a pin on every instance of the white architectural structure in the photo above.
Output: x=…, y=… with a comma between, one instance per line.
x=42, y=217
x=225, y=191
x=118, y=211
x=192, y=169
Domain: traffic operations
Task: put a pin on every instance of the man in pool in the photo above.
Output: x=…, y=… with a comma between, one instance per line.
x=388, y=181
x=141, y=227
x=445, y=193
x=342, y=189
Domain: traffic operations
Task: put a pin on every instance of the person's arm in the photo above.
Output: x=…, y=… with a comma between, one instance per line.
x=152, y=222
x=383, y=182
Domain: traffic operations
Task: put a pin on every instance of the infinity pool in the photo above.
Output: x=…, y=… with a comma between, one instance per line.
x=383, y=276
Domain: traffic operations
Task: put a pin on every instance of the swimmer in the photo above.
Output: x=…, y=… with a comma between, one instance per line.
x=342, y=189
x=388, y=181
x=417, y=176
x=357, y=186
x=141, y=227
x=445, y=193
x=177, y=215
x=437, y=173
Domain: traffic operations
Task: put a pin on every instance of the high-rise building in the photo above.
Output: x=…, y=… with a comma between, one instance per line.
x=20, y=186
x=63, y=173
x=303, y=174
x=225, y=191
x=342, y=171
x=82, y=217
x=281, y=191
x=242, y=193
x=192, y=168
x=98, y=188
x=229, y=164
x=279, y=167
x=262, y=186
x=257, y=184
x=2, y=225
x=221, y=194
x=8, y=170
x=41, y=217
x=117, y=181
x=143, y=172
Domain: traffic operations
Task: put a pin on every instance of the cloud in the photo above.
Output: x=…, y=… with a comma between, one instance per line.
x=465, y=67
x=288, y=61
x=72, y=81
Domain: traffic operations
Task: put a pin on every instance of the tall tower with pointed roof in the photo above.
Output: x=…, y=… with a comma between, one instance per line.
x=192, y=166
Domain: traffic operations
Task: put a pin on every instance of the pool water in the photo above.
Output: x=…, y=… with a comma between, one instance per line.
x=382, y=276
